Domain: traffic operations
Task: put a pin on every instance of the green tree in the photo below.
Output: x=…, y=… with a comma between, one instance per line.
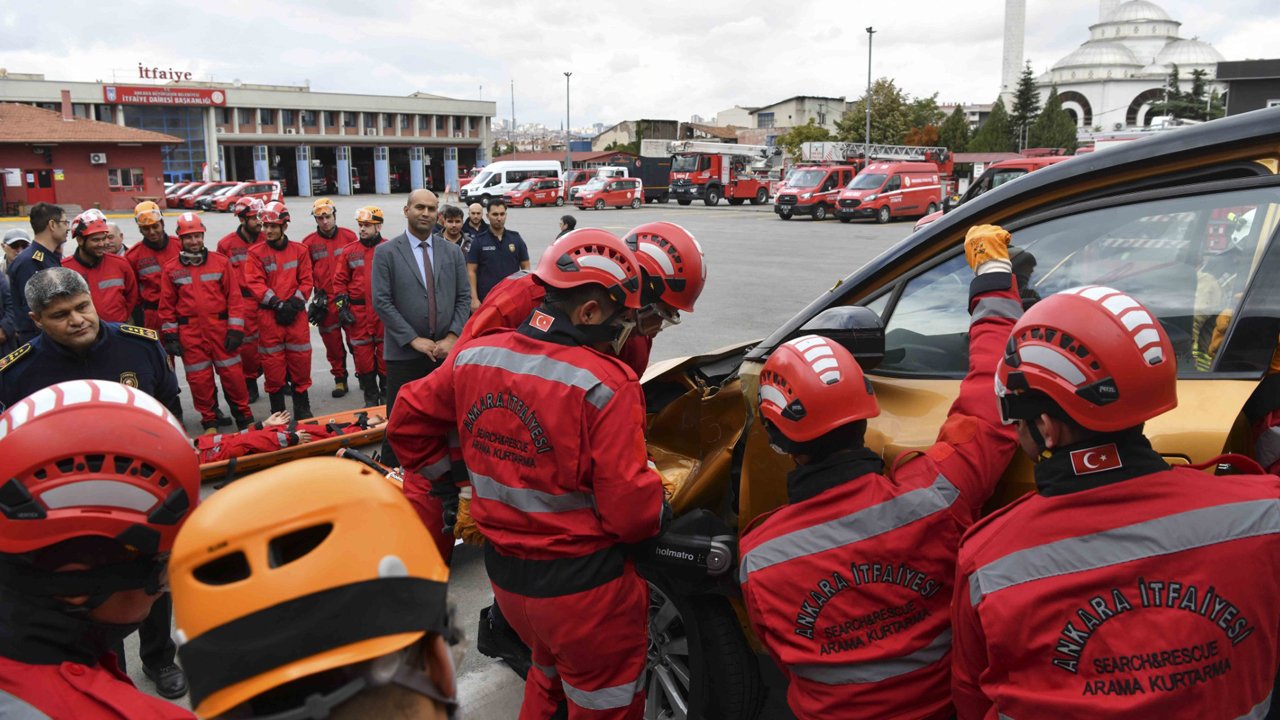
x=891, y=115
x=1054, y=127
x=1175, y=102
x=954, y=134
x=994, y=135
x=500, y=148
x=1026, y=106
x=800, y=134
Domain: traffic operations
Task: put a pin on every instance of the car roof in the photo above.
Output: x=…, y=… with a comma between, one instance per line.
x=1234, y=139
x=1029, y=162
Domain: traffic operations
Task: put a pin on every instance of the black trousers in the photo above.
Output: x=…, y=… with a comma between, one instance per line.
x=399, y=373
x=155, y=643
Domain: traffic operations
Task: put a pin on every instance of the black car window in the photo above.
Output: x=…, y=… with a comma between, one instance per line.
x=895, y=183
x=1188, y=259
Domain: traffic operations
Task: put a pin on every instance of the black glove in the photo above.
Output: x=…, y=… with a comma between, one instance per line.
x=172, y=345
x=234, y=339
x=346, y=318
x=319, y=308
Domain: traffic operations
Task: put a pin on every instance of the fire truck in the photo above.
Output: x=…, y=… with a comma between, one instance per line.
x=708, y=171
x=808, y=189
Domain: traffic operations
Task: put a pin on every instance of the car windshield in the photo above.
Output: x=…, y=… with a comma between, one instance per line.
x=526, y=185
x=684, y=163
x=224, y=190
x=594, y=184
x=805, y=178
x=867, y=181
x=480, y=180
x=1003, y=176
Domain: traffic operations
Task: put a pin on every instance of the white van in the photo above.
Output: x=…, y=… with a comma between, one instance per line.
x=496, y=179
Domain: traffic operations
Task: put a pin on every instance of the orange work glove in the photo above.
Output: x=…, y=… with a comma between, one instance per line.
x=669, y=486
x=464, y=528
x=985, y=244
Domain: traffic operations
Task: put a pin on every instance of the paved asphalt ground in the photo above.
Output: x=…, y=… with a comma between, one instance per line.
x=761, y=271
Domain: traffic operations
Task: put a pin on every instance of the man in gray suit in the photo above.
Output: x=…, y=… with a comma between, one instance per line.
x=422, y=312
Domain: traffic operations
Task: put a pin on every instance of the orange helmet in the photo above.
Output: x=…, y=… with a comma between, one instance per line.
x=673, y=264
x=369, y=214
x=1096, y=352
x=189, y=223
x=130, y=474
x=589, y=256
x=147, y=213
x=316, y=564
x=323, y=205
x=89, y=222
x=811, y=386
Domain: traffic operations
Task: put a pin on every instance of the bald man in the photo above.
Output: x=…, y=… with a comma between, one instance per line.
x=475, y=223
x=422, y=295
x=115, y=240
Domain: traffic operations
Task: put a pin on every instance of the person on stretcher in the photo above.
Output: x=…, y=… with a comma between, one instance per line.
x=274, y=433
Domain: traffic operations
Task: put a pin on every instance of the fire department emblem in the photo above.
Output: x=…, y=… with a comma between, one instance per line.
x=111, y=94
x=217, y=97
x=541, y=320
x=511, y=247
x=129, y=378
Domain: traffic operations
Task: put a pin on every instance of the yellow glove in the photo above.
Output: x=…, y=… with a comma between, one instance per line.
x=987, y=243
x=464, y=528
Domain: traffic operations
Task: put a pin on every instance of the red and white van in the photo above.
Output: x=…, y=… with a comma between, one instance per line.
x=576, y=178
x=998, y=174
x=535, y=191
x=812, y=190
x=618, y=192
x=887, y=190
x=264, y=190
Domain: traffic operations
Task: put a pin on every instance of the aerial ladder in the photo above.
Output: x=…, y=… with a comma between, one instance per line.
x=708, y=171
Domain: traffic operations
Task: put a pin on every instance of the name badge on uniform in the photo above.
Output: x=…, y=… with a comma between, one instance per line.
x=511, y=247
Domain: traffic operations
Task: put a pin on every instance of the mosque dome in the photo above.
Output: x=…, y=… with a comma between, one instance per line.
x=1189, y=52
x=1099, y=54
x=1138, y=11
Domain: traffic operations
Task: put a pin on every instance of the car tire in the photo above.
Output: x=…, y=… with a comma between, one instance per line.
x=933, y=208
x=684, y=201
x=820, y=212
x=635, y=203
x=559, y=201
x=527, y=203
x=484, y=200
x=699, y=663
x=664, y=198
x=713, y=197
x=785, y=215
x=761, y=197
x=882, y=215
x=845, y=219
x=737, y=201
x=599, y=205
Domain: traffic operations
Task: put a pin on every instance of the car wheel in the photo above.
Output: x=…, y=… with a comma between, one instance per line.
x=882, y=215
x=559, y=201
x=845, y=219
x=684, y=201
x=785, y=214
x=527, y=203
x=761, y=196
x=599, y=205
x=931, y=209
x=713, y=197
x=485, y=201
x=698, y=663
x=664, y=198
x=820, y=212
x=635, y=203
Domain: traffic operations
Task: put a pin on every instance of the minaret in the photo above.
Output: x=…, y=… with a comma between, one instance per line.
x=1015, y=22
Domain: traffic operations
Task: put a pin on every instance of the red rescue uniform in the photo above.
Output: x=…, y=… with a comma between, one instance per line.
x=147, y=262
x=112, y=285
x=236, y=247
x=200, y=303
x=215, y=448
x=324, y=265
x=354, y=278
x=552, y=435
x=1121, y=588
x=849, y=585
x=283, y=273
x=74, y=691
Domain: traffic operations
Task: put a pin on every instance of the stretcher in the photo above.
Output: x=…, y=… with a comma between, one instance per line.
x=227, y=470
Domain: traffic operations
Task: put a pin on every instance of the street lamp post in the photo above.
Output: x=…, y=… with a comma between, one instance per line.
x=870, y=36
x=567, y=161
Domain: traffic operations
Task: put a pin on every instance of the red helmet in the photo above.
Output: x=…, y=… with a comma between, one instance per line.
x=592, y=256
x=130, y=474
x=1097, y=353
x=247, y=207
x=279, y=209
x=811, y=386
x=672, y=261
x=89, y=222
x=271, y=216
x=189, y=223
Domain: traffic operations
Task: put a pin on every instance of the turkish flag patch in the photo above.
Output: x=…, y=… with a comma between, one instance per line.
x=1095, y=459
x=541, y=320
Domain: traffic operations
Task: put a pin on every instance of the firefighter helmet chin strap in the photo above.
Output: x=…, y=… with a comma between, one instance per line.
x=615, y=330
x=193, y=258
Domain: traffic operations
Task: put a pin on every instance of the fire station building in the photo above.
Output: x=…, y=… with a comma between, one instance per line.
x=314, y=143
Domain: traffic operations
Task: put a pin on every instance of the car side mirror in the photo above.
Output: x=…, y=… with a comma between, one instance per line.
x=855, y=328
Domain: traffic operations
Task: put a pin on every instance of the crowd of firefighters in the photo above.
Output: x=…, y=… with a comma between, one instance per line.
x=1123, y=587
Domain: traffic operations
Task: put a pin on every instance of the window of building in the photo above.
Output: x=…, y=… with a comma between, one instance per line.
x=289, y=117
x=246, y=116
x=309, y=118
x=424, y=122
x=125, y=178
x=266, y=116
x=764, y=120
x=330, y=118
x=442, y=123
x=222, y=115
x=406, y=121
x=106, y=113
x=348, y=119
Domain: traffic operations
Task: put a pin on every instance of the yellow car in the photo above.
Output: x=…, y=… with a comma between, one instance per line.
x=1185, y=221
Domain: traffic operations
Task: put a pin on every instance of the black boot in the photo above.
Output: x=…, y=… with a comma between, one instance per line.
x=382, y=389
x=251, y=384
x=244, y=422
x=301, y=406
x=277, y=401
x=223, y=419
x=210, y=427
x=339, y=387
x=369, y=386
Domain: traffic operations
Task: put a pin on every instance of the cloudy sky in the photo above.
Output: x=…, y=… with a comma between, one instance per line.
x=672, y=60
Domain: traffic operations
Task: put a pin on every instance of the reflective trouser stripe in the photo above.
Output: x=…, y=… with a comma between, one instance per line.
x=271, y=350
x=363, y=341
x=618, y=696
x=197, y=367
x=291, y=347
x=436, y=469
x=598, y=394
x=988, y=307
x=879, y=670
x=1161, y=536
x=235, y=360
x=328, y=328
x=236, y=322
x=114, y=282
x=854, y=527
x=533, y=501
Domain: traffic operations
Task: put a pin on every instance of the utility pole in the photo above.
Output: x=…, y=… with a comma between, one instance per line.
x=511, y=135
x=870, y=36
x=568, y=163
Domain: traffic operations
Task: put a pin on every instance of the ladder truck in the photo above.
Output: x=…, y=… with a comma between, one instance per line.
x=708, y=171
x=859, y=154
